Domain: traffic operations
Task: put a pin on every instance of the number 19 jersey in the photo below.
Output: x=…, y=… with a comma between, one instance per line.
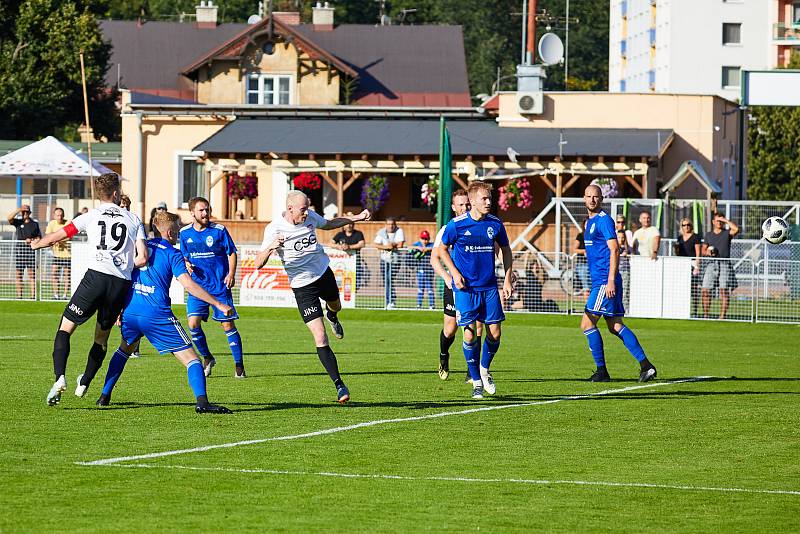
x=112, y=232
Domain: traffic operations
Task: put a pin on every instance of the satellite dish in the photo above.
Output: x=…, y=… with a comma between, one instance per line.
x=253, y=19
x=551, y=49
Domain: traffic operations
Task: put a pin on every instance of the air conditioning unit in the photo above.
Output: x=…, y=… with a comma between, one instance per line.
x=530, y=103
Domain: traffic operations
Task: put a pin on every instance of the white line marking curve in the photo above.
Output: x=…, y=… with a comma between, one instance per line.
x=365, y=424
x=683, y=487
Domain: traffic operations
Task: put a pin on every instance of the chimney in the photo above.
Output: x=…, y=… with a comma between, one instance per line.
x=290, y=18
x=322, y=17
x=206, y=14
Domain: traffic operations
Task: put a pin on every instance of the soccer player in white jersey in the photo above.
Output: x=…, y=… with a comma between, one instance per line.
x=119, y=239
x=447, y=336
x=294, y=238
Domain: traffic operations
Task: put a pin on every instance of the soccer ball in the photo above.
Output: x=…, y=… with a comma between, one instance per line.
x=775, y=230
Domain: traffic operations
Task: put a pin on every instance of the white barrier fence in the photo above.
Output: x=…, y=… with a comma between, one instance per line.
x=737, y=289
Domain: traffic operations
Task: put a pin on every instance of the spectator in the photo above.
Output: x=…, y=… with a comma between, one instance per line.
x=352, y=241
x=581, y=266
x=624, y=264
x=60, y=270
x=718, y=272
x=646, y=239
x=627, y=234
x=389, y=239
x=689, y=245
x=161, y=206
x=26, y=230
x=421, y=252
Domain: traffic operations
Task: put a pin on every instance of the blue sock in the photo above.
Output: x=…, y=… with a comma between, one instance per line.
x=235, y=342
x=596, y=346
x=199, y=340
x=197, y=379
x=631, y=343
x=115, y=368
x=471, y=354
x=490, y=346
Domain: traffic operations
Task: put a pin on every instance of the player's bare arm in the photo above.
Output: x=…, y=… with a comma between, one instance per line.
x=230, y=279
x=613, y=265
x=338, y=222
x=193, y=288
x=454, y=278
x=264, y=255
x=142, y=255
x=438, y=268
x=508, y=267
x=49, y=239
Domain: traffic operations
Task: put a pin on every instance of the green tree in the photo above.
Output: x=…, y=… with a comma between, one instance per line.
x=773, y=136
x=40, y=77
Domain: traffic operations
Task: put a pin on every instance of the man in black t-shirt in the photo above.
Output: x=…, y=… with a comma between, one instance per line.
x=26, y=230
x=352, y=241
x=718, y=272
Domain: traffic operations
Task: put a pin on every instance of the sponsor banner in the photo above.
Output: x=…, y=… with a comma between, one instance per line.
x=269, y=286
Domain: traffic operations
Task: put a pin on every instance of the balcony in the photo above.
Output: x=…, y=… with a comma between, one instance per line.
x=785, y=32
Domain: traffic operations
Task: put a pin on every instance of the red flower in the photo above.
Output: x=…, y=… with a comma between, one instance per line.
x=308, y=181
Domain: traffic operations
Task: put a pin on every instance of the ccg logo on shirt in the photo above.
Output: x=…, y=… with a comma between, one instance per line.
x=209, y=241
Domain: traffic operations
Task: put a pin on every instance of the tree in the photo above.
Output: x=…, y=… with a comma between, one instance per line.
x=773, y=136
x=40, y=78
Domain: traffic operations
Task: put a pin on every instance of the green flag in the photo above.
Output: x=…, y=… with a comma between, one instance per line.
x=445, y=196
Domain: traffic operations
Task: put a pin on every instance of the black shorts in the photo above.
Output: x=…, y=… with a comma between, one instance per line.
x=307, y=297
x=25, y=258
x=449, y=302
x=62, y=262
x=101, y=293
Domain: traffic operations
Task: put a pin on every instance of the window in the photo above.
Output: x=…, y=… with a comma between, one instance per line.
x=191, y=178
x=796, y=13
x=269, y=90
x=77, y=188
x=622, y=86
x=623, y=47
x=416, y=183
x=730, y=77
x=731, y=33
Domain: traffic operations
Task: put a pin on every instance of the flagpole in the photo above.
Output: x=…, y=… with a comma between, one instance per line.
x=88, y=127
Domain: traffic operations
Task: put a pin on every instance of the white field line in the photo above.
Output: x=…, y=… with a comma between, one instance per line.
x=108, y=461
x=682, y=487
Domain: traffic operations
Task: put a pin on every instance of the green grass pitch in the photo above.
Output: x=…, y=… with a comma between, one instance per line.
x=668, y=457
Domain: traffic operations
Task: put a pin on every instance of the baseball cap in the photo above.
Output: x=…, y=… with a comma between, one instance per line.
x=161, y=205
x=424, y=235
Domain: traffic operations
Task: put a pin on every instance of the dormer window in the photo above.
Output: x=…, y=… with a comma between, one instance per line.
x=269, y=89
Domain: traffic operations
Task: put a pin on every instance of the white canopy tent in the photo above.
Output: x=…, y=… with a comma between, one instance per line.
x=47, y=159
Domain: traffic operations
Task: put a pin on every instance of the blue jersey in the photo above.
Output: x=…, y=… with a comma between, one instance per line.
x=473, y=248
x=208, y=250
x=599, y=230
x=149, y=294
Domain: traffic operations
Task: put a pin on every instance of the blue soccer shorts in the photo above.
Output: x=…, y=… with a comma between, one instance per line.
x=478, y=305
x=599, y=304
x=197, y=308
x=165, y=333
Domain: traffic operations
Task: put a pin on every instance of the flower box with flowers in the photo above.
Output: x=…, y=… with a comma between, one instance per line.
x=308, y=181
x=242, y=187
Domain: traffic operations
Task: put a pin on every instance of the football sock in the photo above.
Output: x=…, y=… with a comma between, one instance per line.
x=490, y=347
x=199, y=340
x=93, y=363
x=235, y=343
x=115, y=368
x=60, y=353
x=596, y=346
x=328, y=360
x=631, y=343
x=197, y=379
x=471, y=355
x=445, y=343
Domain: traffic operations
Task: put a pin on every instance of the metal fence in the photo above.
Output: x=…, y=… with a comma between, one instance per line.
x=760, y=288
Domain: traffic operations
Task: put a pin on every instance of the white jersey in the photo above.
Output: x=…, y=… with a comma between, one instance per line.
x=438, y=241
x=303, y=256
x=112, y=232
